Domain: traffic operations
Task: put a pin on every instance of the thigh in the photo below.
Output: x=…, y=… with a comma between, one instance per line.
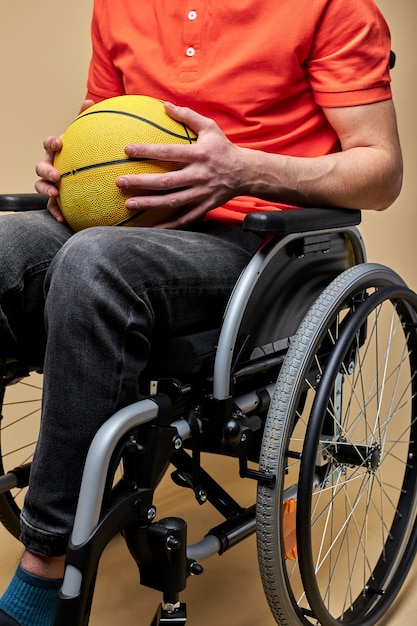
x=184, y=277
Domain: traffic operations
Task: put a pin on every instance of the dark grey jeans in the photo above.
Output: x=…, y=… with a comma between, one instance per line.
x=108, y=293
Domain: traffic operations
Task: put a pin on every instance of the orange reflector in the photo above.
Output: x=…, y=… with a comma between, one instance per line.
x=288, y=524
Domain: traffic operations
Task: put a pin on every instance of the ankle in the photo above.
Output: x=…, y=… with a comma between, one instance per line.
x=43, y=566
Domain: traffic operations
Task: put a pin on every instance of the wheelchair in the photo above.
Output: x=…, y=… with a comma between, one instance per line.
x=310, y=385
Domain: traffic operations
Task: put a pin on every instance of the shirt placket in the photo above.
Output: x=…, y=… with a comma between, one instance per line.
x=193, y=20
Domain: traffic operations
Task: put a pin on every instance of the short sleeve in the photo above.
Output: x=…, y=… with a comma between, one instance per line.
x=104, y=80
x=349, y=61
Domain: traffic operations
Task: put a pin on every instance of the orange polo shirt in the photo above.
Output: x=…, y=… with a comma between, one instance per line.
x=262, y=69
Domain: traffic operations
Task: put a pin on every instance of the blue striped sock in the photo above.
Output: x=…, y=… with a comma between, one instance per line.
x=30, y=600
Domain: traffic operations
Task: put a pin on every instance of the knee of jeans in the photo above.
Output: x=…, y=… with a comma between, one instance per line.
x=81, y=263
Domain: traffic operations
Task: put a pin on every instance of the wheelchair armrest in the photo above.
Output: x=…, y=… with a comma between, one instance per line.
x=300, y=220
x=22, y=202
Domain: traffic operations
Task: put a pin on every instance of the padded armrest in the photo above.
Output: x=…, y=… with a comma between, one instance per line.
x=22, y=202
x=300, y=220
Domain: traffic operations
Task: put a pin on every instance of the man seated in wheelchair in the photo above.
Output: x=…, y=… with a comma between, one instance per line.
x=292, y=106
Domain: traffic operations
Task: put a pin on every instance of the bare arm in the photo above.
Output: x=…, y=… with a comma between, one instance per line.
x=366, y=174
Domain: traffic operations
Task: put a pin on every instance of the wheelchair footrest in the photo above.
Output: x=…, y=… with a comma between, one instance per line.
x=170, y=615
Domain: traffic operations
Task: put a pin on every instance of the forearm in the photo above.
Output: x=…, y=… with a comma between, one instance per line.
x=358, y=178
x=366, y=174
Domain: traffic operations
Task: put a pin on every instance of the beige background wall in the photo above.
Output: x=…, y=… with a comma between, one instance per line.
x=44, y=52
x=390, y=236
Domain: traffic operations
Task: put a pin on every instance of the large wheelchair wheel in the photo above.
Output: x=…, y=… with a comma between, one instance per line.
x=337, y=532
x=19, y=427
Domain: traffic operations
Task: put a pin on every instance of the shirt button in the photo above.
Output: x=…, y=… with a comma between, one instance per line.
x=190, y=52
x=192, y=15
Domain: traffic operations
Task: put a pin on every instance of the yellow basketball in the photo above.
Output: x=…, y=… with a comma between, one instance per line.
x=93, y=157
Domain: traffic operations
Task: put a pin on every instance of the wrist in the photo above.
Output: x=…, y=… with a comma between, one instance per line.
x=264, y=175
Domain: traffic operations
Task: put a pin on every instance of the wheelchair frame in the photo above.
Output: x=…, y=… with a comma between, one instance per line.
x=222, y=409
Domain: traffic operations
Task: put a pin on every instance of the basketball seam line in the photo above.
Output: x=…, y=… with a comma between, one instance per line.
x=130, y=219
x=102, y=164
x=142, y=119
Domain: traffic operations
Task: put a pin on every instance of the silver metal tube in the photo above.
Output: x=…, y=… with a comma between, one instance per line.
x=249, y=402
x=204, y=549
x=95, y=474
x=7, y=482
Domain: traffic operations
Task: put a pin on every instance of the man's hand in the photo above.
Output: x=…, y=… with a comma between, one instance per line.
x=49, y=176
x=209, y=172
